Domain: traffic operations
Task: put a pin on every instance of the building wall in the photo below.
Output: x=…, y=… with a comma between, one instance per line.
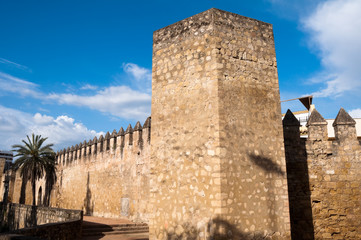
x=331, y=133
x=185, y=167
x=107, y=177
x=221, y=164
x=19, y=190
x=2, y=178
x=216, y=167
x=326, y=196
x=253, y=169
x=298, y=179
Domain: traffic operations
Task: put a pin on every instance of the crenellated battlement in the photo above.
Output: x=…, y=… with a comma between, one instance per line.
x=344, y=128
x=87, y=168
x=323, y=177
x=218, y=166
x=112, y=144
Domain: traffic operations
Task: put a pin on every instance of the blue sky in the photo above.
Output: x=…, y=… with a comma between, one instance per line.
x=72, y=70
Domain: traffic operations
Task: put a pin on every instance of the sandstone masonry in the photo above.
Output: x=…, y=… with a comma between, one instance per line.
x=217, y=163
x=107, y=177
x=324, y=178
x=220, y=169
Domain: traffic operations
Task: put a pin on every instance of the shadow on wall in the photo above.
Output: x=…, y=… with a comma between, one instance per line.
x=268, y=166
x=50, y=182
x=24, y=180
x=13, y=216
x=88, y=205
x=299, y=193
x=32, y=220
x=218, y=229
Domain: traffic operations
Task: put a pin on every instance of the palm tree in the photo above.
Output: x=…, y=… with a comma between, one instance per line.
x=34, y=159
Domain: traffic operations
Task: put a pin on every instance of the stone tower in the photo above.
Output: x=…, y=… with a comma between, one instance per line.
x=217, y=155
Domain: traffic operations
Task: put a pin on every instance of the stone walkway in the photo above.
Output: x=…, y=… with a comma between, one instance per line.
x=91, y=223
x=105, y=221
x=118, y=237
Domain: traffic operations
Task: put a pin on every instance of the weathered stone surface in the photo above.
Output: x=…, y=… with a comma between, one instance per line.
x=95, y=176
x=316, y=119
x=343, y=118
x=324, y=181
x=215, y=95
x=111, y=170
x=317, y=127
x=298, y=180
x=18, y=216
x=216, y=168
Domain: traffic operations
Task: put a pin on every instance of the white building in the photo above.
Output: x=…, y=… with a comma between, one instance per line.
x=303, y=116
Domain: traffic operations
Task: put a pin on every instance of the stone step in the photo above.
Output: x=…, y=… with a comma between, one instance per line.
x=125, y=232
x=114, y=229
x=105, y=229
x=114, y=232
x=91, y=226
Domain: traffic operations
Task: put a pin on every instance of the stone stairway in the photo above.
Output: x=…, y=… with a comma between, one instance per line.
x=102, y=228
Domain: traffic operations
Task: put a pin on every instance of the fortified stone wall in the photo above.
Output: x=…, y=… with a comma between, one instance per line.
x=220, y=170
x=19, y=190
x=324, y=178
x=298, y=179
x=2, y=177
x=216, y=167
x=253, y=169
x=107, y=177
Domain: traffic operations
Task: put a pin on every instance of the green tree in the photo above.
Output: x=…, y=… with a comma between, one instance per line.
x=35, y=160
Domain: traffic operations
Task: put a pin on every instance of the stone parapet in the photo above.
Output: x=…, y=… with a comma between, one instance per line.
x=70, y=230
x=107, y=176
x=18, y=216
x=328, y=178
x=298, y=179
x=110, y=144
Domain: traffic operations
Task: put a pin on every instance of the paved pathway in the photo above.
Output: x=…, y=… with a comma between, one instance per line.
x=105, y=221
x=118, y=237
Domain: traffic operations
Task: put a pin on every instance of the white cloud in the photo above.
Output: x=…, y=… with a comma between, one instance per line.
x=355, y=113
x=120, y=101
x=9, y=83
x=141, y=78
x=88, y=87
x=42, y=119
x=334, y=30
x=11, y=122
x=13, y=64
x=139, y=73
x=63, y=131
